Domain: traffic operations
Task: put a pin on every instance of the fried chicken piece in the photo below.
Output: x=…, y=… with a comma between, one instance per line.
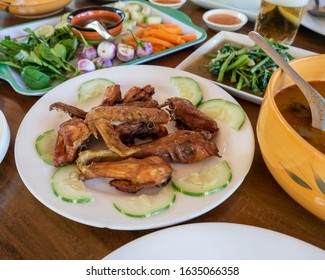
x=131, y=175
x=128, y=132
x=139, y=94
x=112, y=138
x=112, y=96
x=71, y=137
x=182, y=146
x=72, y=111
x=187, y=116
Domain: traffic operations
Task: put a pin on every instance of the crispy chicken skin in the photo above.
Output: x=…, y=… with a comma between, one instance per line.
x=187, y=116
x=71, y=137
x=131, y=175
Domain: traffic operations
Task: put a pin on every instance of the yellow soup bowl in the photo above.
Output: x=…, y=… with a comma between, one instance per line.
x=297, y=166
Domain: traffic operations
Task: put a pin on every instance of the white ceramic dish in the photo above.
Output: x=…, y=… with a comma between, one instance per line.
x=217, y=241
x=101, y=212
x=168, y=15
x=172, y=6
x=222, y=4
x=246, y=5
x=316, y=24
x=240, y=39
x=219, y=27
x=4, y=136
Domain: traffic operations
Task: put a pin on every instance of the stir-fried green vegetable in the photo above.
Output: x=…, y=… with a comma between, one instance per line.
x=246, y=67
x=41, y=60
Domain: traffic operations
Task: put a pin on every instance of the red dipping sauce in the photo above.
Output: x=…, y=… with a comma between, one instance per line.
x=224, y=19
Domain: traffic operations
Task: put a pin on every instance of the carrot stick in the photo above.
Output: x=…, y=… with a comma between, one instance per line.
x=188, y=37
x=176, y=39
x=154, y=40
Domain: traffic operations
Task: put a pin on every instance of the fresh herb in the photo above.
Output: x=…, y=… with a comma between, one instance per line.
x=41, y=61
x=246, y=67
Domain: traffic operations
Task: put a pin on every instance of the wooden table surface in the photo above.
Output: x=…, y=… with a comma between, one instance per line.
x=29, y=230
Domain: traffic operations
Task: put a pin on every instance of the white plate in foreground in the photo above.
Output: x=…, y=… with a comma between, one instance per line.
x=238, y=39
x=216, y=241
x=237, y=147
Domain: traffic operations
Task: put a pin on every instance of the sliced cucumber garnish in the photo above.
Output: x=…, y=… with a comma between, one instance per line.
x=67, y=186
x=188, y=88
x=93, y=88
x=205, y=183
x=45, y=31
x=225, y=111
x=45, y=144
x=145, y=204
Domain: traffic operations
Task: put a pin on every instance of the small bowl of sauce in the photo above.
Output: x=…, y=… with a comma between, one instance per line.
x=110, y=18
x=223, y=19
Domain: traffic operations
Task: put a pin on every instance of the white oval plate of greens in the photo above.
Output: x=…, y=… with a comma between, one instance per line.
x=235, y=146
x=216, y=42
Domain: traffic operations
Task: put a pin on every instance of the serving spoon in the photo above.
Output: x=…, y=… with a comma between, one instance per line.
x=315, y=100
x=318, y=11
x=95, y=24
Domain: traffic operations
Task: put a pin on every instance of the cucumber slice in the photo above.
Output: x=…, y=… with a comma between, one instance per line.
x=188, y=88
x=45, y=144
x=225, y=111
x=129, y=24
x=145, y=203
x=45, y=31
x=154, y=19
x=67, y=186
x=93, y=88
x=205, y=183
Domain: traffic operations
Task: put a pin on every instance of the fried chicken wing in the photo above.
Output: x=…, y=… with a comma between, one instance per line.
x=131, y=175
x=182, y=146
x=139, y=94
x=112, y=96
x=72, y=111
x=71, y=137
x=187, y=116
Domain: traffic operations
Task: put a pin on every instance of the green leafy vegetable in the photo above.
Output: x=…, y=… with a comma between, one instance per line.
x=246, y=67
x=41, y=61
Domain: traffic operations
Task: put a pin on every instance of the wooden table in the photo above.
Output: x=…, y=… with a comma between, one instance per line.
x=29, y=230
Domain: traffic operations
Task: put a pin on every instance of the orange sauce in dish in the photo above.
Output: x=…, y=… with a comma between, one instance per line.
x=224, y=19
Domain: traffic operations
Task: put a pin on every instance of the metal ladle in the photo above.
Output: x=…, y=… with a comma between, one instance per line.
x=315, y=100
x=96, y=25
x=318, y=11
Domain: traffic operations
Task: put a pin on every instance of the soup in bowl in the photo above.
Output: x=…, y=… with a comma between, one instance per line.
x=292, y=150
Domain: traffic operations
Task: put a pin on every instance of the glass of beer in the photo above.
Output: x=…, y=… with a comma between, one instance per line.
x=280, y=19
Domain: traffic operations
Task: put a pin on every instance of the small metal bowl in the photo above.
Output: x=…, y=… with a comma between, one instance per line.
x=111, y=18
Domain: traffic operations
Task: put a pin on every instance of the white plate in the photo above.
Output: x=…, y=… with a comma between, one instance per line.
x=316, y=24
x=101, y=213
x=4, y=136
x=216, y=241
x=313, y=23
x=240, y=39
